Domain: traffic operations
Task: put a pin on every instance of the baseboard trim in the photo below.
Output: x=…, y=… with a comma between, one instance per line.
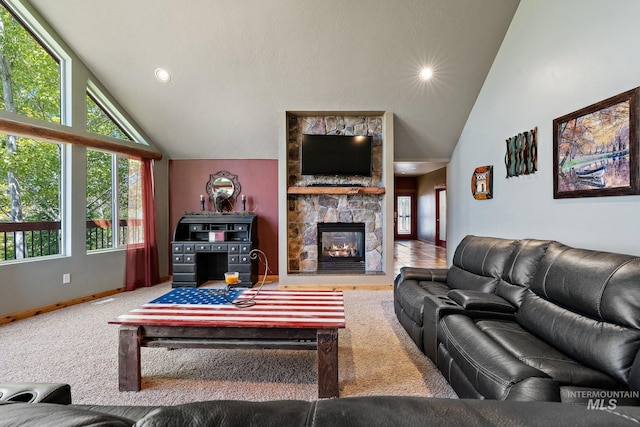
x=19, y=315
x=311, y=287
x=12, y=317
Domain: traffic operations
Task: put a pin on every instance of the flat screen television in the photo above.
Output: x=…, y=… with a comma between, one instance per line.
x=336, y=155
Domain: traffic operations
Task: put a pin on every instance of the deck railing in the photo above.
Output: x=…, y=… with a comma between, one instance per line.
x=35, y=239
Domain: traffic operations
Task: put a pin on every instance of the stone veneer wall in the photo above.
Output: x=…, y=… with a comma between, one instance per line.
x=304, y=211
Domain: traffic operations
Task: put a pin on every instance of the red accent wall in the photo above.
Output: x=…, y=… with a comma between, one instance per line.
x=259, y=182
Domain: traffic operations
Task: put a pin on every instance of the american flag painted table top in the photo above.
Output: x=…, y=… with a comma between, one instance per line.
x=272, y=309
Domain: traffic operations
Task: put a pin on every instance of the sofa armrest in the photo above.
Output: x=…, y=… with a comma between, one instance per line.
x=435, y=307
x=429, y=274
x=480, y=301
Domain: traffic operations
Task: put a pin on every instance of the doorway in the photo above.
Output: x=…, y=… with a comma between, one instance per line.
x=441, y=216
x=405, y=221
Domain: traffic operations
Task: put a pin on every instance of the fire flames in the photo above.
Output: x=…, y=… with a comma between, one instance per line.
x=344, y=250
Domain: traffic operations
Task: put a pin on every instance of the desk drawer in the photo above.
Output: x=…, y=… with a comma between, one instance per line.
x=184, y=268
x=218, y=247
x=203, y=247
x=177, y=248
x=234, y=249
x=184, y=258
x=245, y=248
x=184, y=277
x=189, y=248
x=234, y=259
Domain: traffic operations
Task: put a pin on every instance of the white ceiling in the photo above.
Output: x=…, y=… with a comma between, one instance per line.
x=236, y=64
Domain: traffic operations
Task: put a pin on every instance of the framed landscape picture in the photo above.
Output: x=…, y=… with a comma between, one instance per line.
x=595, y=149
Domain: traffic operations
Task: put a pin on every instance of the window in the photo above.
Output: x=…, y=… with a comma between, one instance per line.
x=30, y=170
x=30, y=73
x=99, y=200
x=404, y=214
x=133, y=214
x=108, y=177
x=30, y=193
x=37, y=83
x=100, y=122
x=108, y=200
x=103, y=118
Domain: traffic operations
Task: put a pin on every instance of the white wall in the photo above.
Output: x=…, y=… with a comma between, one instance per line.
x=557, y=57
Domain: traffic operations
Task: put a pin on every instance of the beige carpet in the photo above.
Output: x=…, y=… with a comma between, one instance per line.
x=76, y=345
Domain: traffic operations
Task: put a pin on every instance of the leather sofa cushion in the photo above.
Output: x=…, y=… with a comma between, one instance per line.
x=601, y=285
x=231, y=413
x=478, y=263
x=459, y=278
x=536, y=353
x=410, y=294
x=369, y=411
x=56, y=415
x=493, y=370
x=599, y=345
x=520, y=269
x=422, y=274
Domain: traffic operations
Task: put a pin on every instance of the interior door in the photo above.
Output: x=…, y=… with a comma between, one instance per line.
x=405, y=216
x=441, y=217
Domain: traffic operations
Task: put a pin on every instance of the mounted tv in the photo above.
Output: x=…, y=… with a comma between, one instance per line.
x=336, y=155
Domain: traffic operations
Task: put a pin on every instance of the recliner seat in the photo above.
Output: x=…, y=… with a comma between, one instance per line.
x=576, y=325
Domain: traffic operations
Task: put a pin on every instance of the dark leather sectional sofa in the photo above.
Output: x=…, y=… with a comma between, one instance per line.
x=528, y=320
x=50, y=408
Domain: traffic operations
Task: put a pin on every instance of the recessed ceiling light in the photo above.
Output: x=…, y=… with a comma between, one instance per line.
x=162, y=75
x=426, y=73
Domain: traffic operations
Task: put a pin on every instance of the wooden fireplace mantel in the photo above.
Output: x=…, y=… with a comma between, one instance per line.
x=335, y=190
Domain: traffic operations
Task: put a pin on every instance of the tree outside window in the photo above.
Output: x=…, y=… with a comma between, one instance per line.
x=30, y=170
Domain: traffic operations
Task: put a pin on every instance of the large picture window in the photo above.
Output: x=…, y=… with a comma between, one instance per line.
x=30, y=198
x=30, y=73
x=100, y=122
x=37, y=85
x=108, y=200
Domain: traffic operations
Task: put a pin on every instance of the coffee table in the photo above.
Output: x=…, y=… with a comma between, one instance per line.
x=280, y=319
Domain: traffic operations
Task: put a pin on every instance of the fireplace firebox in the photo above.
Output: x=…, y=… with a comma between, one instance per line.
x=341, y=246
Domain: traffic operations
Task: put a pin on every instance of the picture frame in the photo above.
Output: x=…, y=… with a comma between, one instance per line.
x=482, y=183
x=595, y=149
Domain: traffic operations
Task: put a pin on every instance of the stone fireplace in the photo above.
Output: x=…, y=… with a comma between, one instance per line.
x=315, y=200
x=341, y=246
x=307, y=210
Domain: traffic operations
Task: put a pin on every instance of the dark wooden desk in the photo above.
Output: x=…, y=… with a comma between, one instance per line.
x=294, y=320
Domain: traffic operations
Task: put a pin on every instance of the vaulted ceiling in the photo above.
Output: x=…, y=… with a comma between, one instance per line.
x=236, y=64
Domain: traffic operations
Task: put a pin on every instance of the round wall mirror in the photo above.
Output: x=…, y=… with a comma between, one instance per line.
x=223, y=188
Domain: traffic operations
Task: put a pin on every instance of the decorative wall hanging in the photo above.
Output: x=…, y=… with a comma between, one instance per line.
x=522, y=153
x=482, y=183
x=595, y=149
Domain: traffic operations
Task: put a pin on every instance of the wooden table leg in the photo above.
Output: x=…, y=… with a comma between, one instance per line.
x=129, y=376
x=328, y=363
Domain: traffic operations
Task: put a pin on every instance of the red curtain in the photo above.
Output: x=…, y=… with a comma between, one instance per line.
x=142, y=241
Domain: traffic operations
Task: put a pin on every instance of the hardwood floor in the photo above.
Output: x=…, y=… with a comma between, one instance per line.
x=416, y=253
